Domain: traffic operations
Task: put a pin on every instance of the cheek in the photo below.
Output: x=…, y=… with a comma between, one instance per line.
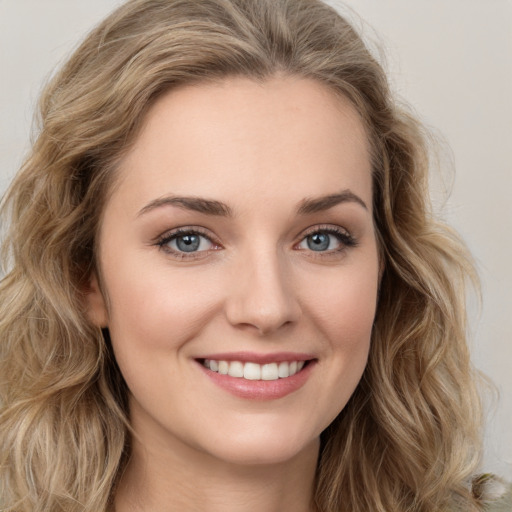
x=343, y=306
x=154, y=310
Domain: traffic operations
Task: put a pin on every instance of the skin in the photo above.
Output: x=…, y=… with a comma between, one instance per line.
x=262, y=149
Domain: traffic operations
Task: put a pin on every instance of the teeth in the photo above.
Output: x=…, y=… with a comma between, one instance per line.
x=236, y=369
x=269, y=372
x=223, y=367
x=284, y=370
x=255, y=371
x=252, y=371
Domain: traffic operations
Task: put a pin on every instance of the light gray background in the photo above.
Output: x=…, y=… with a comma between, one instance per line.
x=451, y=59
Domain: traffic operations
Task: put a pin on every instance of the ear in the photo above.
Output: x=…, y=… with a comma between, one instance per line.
x=95, y=303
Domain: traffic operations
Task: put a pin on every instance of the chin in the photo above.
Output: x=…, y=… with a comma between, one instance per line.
x=253, y=447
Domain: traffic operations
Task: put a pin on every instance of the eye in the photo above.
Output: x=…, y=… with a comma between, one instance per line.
x=185, y=242
x=327, y=240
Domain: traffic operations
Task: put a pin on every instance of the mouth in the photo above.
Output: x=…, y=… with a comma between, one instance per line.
x=255, y=371
x=256, y=377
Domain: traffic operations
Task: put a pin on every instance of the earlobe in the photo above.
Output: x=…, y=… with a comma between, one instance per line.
x=95, y=303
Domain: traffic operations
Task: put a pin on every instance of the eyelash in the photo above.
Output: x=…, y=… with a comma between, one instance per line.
x=345, y=239
x=167, y=238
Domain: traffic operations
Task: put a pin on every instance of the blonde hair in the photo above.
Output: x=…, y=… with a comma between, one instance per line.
x=409, y=438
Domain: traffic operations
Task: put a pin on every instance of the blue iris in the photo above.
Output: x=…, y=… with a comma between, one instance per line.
x=188, y=243
x=318, y=241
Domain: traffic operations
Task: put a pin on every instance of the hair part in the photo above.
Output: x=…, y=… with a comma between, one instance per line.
x=409, y=437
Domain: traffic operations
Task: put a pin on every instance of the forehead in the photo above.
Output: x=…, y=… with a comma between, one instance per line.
x=282, y=138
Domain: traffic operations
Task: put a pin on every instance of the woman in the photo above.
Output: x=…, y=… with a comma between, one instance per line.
x=225, y=286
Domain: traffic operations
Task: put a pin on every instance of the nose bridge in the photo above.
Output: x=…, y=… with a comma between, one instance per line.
x=262, y=294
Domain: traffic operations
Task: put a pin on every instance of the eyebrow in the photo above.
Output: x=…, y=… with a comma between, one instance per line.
x=320, y=204
x=217, y=208
x=197, y=204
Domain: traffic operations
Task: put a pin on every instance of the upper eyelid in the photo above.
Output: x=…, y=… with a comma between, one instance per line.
x=163, y=241
x=184, y=230
x=324, y=227
x=199, y=230
x=345, y=237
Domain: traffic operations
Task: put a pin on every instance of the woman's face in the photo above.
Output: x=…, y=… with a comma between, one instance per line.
x=239, y=238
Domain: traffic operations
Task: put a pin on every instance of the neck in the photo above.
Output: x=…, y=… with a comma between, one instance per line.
x=185, y=480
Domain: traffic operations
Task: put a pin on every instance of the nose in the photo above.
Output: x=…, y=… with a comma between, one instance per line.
x=261, y=294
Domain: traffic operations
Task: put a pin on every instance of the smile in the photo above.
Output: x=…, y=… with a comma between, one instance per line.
x=258, y=376
x=255, y=371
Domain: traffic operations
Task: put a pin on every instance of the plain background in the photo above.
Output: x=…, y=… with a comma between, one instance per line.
x=450, y=59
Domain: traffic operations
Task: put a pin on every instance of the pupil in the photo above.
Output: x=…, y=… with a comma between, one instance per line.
x=318, y=242
x=188, y=243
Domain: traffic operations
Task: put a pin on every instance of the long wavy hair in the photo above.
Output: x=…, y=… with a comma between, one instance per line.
x=409, y=438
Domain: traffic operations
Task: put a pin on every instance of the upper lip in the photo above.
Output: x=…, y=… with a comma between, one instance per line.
x=253, y=357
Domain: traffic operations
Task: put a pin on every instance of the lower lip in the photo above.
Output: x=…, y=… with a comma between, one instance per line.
x=260, y=389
